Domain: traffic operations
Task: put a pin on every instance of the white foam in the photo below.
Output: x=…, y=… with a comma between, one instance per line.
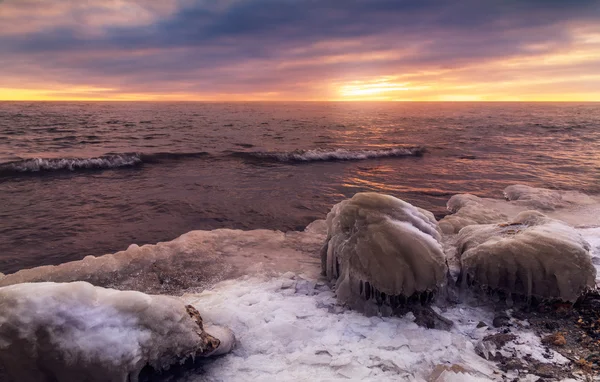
x=343, y=154
x=71, y=164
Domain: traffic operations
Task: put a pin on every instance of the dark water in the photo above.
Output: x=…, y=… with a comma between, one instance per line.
x=112, y=174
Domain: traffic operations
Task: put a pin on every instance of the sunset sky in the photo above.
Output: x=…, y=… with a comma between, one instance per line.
x=234, y=50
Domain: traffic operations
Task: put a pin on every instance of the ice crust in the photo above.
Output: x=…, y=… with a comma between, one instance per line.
x=574, y=208
x=294, y=329
x=195, y=260
x=78, y=332
x=379, y=247
x=532, y=255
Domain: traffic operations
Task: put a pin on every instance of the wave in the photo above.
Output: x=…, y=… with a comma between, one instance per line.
x=114, y=160
x=323, y=155
x=69, y=164
x=108, y=161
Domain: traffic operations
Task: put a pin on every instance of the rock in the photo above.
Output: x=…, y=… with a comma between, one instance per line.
x=500, y=339
x=481, y=324
x=384, y=250
x=75, y=331
x=428, y=318
x=531, y=255
x=556, y=339
x=1, y=275
x=547, y=370
x=469, y=209
x=500, y=320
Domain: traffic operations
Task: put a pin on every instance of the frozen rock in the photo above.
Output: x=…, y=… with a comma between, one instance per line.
x=544, y=199
x=532, y=255
x=467, y=210
x=572, y=207
x=77, y=332
x=379, y=248
x=318, y=227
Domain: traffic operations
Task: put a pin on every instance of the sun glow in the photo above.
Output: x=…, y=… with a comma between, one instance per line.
x=382, y=88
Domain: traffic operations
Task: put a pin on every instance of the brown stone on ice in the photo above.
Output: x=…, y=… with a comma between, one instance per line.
x=556, y=339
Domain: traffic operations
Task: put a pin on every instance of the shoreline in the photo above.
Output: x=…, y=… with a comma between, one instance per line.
x=237, y=265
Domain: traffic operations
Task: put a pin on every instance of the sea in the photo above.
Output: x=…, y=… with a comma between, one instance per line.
x=90, y=178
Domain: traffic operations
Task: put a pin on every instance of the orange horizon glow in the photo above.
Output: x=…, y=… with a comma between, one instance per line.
x=67, y=51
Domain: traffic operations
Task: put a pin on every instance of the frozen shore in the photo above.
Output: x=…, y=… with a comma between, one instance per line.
x=266, y=286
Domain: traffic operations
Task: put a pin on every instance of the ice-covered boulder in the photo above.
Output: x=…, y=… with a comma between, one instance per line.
x=531, y=255
x=467, y=209
x=380, y=248
x=545, y=199
x=572, y=207
x=78, y=332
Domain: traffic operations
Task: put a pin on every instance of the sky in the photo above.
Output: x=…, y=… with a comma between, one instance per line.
x=300, y=50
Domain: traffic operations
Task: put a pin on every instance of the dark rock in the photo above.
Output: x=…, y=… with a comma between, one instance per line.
x=500, y=339
x=501, y=320
x=547, y=370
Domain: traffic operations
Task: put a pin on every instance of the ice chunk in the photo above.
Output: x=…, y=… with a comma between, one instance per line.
x=531, y=255
x=76, y=332
x=380, y=247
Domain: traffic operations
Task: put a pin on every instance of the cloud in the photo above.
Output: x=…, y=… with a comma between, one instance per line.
x=299, y=48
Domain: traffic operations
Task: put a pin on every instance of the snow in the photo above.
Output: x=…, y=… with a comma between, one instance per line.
x=290, y=328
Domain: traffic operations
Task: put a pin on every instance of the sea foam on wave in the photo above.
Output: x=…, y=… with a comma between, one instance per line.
x=70, y=164
x=316, y=155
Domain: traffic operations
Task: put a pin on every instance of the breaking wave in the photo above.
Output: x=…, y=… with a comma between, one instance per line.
x=109, y=161
x=112, y=161
x=322, y=155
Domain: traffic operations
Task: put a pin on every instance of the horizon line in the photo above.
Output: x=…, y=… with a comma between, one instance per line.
x=298, y=101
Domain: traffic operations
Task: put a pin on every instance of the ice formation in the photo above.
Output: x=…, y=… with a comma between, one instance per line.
x=572, y=207
x=195, y=260
x=293, y=329
x=531, y=255
x=382, y=249
x=77, y=332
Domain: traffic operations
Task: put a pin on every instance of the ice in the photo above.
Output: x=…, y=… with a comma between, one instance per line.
x=592, y=236
x=300, y=337
x=531, y=255
x=193, y=261
x=371, y=234
x=75, y=331
x=572, y=207
x=290, y=324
